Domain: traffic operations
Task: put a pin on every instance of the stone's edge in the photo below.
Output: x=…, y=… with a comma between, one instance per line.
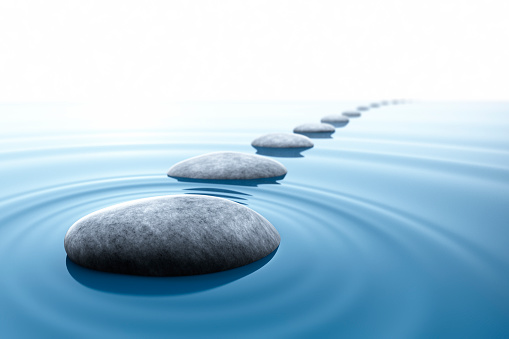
x=256, y=142
x=283, y=171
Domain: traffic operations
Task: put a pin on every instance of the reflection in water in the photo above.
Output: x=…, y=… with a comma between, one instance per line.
x=294, y=152
x=140, y=285
x=251, y=182
x=317, y=135
x=218, y=190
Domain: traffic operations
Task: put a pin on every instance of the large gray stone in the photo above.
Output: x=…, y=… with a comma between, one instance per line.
x=314, y=128
x=336, y=120
x=282, y=140
x=227, y=166
x=171, y=236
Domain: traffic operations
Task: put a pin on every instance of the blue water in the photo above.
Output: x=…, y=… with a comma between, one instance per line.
x=396, y=227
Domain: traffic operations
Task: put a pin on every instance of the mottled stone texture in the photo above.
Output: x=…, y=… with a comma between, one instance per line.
x=227, y=166
x=352, y=114
x=314, y=128
x=171, y=236
x=336, y=120
x=282, y=140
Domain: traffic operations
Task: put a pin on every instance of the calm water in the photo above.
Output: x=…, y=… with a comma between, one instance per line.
x=396, y=227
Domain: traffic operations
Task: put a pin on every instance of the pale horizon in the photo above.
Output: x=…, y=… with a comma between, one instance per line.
x=62, y=51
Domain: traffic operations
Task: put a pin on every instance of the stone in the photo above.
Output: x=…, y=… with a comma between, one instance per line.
x=336, y=120
x=352, y=114
x=282, y=140
x=171, y=235
x=314, y=128
x=375, y=105
x=363, y=108
x=227, y=166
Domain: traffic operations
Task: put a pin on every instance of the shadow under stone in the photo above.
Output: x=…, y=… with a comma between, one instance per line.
x=250, y=182
x=218, y=190
x=156, y=286
x=317, y=135
x=293, y=152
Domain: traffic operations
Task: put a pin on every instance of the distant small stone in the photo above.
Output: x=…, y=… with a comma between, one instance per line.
x=336, y=120
x=375, y=105
x=227, y=166
x=314, y=128
x=352, y=114
x=282, y=140
x=363, y=108
x=171, y=236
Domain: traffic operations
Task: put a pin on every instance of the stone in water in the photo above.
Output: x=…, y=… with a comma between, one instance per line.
x=336, y=120
x=352, y=114
x=171, y=236
x=227, y=166
x=314, y=128
x=282, y=140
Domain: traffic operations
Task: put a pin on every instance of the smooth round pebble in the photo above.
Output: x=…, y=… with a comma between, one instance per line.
x=227, y=166
x=171, y=236
x=336, y=120
x=282, y=140
x=352, y=114
x=314, y=128
x=363, y=108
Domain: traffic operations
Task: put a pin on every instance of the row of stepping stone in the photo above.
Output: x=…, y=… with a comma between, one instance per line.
x=242, y=166
x=179, y=235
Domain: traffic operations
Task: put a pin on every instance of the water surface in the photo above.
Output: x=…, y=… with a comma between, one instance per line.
x=397, y=226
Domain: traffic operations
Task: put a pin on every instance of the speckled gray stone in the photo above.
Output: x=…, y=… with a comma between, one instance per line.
x=352, y=114
x=282, y=140
x=227, y=166
x=336, y=120
x=314, y=128
x=171, y=236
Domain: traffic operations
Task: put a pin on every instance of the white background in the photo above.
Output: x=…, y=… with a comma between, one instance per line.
x=87, y=51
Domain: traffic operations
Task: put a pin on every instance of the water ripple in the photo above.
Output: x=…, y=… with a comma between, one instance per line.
x=378, y=239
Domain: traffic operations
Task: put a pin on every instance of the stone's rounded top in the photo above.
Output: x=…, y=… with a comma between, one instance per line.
x=314, y=128
x=282, y=140
x=362, y=108
x=375, y=105
x=171, y=236
x=352, y=114
x=227, y=166
x=335, y=118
